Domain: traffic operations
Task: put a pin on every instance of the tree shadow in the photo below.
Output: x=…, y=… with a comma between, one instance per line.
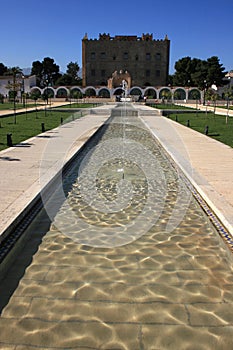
x=23, y=144
x=45, y=136
x=10, y=159
x=213, y=134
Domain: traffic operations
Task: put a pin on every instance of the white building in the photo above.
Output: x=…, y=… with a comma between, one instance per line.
x=229, y=83
x=22, y=84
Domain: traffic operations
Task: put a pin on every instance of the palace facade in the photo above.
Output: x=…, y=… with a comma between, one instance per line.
x=141, y=61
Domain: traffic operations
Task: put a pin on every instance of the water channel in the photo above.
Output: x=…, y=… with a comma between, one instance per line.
x=129, y=260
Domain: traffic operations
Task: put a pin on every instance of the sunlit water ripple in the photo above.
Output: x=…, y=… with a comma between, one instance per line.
x=161, y=290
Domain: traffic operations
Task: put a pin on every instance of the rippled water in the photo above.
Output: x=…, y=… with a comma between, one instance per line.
x=109, y=272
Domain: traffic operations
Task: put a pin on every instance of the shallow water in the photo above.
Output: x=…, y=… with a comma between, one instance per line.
x=108, y=272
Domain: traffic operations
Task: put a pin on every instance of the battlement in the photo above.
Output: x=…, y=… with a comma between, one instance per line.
x=107, y=37
x=144, y=58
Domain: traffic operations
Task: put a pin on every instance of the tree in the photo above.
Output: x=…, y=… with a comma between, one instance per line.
x=199, y=76
x=200, y=73
x=215, y=72
x=15, y=85
x=212, y=95
x=65, y=80
x=37, y=70
x=70, y=78
x=72, y=70
x=183, y=71
x=3, y=69
x=47, y=72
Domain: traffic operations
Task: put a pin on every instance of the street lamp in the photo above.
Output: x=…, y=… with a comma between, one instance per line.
x=205, y=88
x=23, y=91
x=14, y=94
x=188, y=83
x=215, y=96
x=46, y=96
x=228, y=92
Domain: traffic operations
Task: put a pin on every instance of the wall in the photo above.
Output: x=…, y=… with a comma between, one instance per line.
x=146, y=60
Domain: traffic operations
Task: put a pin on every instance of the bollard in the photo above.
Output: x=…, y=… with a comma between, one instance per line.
x=188, y=123
x=72, y=117
x=176, y=118
x=42, y=127
x=9, y=140
x=206, y=130
x=61, y=120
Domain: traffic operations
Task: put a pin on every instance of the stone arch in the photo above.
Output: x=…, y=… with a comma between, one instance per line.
x=194, y=94
x=90, y=91
x=117, y=78
x=104, y=92
x=76, y=92
x=62, y=92
x=179, y=94
x=136, y=90
x=165, y=92
x=118, y=91
x=36, y=90
x=49, y=91
x=150, y=92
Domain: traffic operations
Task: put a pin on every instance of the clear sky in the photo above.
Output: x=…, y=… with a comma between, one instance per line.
x=32, y=30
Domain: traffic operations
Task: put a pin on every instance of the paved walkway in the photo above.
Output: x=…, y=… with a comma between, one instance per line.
x=207, y=163
x=206, y=108
x=31, y=107
x=22, y=168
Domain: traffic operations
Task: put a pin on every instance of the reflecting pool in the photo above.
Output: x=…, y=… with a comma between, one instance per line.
x=128, y=261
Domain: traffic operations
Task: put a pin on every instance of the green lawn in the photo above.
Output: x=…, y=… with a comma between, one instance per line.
x=168, y=106
x=79, y=105
x=29, y=124
x=218, y=128
x=225, y=107
x=10, y=105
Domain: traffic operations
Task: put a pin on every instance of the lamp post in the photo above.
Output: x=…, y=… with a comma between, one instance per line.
x=14, y=94
x=205, y=88
x=214, y=97
x=188, y=83
x=228, y=92
x=46, y=96
x=23, y=91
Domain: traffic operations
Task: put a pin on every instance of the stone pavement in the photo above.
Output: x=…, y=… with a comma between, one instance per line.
x=31, y=107
x=209, y=108
x=22, y=166
x=207, y=163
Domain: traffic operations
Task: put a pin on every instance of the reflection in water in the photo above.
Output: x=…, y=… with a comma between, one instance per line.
x=158, y=290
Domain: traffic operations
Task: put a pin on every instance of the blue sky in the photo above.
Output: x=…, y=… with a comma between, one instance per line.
x=32, y=30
